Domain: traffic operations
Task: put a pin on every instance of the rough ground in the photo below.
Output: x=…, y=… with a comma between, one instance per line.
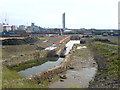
x=107, y=59
x=83, y=72
x=28, y=40
x=21, y=48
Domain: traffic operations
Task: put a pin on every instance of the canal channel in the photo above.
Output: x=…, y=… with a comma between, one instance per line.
x=83, y=72
x=50, y=64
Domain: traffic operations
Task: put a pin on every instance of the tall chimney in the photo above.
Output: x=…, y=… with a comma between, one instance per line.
x=63, y=20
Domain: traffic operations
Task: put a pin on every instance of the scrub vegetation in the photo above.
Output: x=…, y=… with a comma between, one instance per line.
x=108, y=60
x=11, y=79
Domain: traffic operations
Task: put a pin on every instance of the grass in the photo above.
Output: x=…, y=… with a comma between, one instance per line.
x=32, y=63
x=43, y=38
x=81, y=52
x=9, y=50
x=110, y=54
x=12, y=79
x=106, y=56
x=17, y=50
x=114, y=39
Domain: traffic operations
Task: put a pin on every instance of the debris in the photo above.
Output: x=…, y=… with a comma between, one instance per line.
x=80, y=47
x=63, y=77
x=71, y=67
x=94, y=63
x=39, y=83
x=82, y=41
x=61, y=80
x=22, y=55
x=50, y=79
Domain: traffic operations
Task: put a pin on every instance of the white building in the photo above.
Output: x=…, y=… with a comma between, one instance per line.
x=34, y=28
x=22, y=27
x=6, y=28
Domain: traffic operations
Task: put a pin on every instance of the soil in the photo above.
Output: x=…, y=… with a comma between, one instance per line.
x=29, y=40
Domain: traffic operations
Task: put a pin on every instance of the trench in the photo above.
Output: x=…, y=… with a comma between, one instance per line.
x=84, y=70
x=40, y=68
x=49, y=64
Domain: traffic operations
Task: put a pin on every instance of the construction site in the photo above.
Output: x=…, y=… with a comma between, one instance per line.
x=36, y=57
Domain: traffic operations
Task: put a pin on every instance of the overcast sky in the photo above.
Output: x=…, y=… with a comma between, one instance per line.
x=48, y=13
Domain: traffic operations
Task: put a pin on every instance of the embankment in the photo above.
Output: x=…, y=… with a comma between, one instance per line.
x=106, y=56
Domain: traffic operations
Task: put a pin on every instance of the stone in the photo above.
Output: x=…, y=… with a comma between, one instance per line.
x=22, y=55
x=63, y=77
x=61, y=80
x=94, y=63
x=71, y=67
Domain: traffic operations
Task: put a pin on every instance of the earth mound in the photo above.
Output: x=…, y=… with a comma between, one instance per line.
x=29, y=40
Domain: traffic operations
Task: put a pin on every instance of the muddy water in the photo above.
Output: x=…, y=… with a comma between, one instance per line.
x=49, y=64
x=40, y=68
x=84, y=71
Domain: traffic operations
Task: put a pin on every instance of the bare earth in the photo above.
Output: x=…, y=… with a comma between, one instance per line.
x=83, y=72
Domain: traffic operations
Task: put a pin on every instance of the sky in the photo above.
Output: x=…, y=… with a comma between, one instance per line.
x=99, y=14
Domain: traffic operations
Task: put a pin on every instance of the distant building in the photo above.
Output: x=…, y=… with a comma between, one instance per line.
x=22, y=27
x=68, y=31
x=75, y=37
x=82, y=29
x=6, y=28
x=20, y=32
x=13, y=27
x=28, y=29
x=34, y=28
x=32, y=24
x=54, y=30
x=1, y=27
